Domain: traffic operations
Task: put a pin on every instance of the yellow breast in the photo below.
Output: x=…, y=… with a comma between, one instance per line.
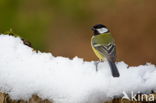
x=97, y=53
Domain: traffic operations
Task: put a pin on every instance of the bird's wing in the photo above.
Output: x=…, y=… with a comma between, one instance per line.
x=107, y=50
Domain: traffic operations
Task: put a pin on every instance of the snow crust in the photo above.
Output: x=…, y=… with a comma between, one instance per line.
x=24, y=72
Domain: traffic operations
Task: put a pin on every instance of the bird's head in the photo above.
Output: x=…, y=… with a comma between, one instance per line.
x=99, y=29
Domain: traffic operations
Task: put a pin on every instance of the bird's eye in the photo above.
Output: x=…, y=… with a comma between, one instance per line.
x=102, y=30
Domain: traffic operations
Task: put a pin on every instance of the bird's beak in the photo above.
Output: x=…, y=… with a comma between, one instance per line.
x=93, y=29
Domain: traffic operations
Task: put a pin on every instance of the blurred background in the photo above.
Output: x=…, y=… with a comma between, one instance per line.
x=63, y=27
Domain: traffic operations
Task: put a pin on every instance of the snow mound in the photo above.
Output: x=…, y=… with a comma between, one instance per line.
x=24, y=72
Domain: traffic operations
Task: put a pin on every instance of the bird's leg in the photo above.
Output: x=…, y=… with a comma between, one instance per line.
x=96, y=64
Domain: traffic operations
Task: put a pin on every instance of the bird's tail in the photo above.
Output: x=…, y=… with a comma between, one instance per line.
x=114, y=70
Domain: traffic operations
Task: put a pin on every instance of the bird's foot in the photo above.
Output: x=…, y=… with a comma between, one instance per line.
x=96, y=64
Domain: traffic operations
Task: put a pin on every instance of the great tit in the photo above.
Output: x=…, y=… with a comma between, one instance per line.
x=104, y=47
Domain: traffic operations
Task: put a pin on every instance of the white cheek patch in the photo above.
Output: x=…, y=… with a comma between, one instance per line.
x=102, y=30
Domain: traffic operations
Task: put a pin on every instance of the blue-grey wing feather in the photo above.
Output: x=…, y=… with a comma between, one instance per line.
x=109, y=50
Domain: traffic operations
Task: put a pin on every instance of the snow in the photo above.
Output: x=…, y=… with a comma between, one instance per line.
x=24, y=72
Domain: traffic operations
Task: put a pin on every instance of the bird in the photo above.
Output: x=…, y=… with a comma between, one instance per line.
x=104, y=47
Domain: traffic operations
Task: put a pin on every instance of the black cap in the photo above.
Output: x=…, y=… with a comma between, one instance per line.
x=98, y=26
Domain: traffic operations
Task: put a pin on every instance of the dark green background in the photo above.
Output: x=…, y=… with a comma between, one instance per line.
x=63, y=26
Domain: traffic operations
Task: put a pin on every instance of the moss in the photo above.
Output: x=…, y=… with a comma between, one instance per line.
x=10, y=32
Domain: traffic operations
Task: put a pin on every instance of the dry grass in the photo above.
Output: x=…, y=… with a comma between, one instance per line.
x=4, y=98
